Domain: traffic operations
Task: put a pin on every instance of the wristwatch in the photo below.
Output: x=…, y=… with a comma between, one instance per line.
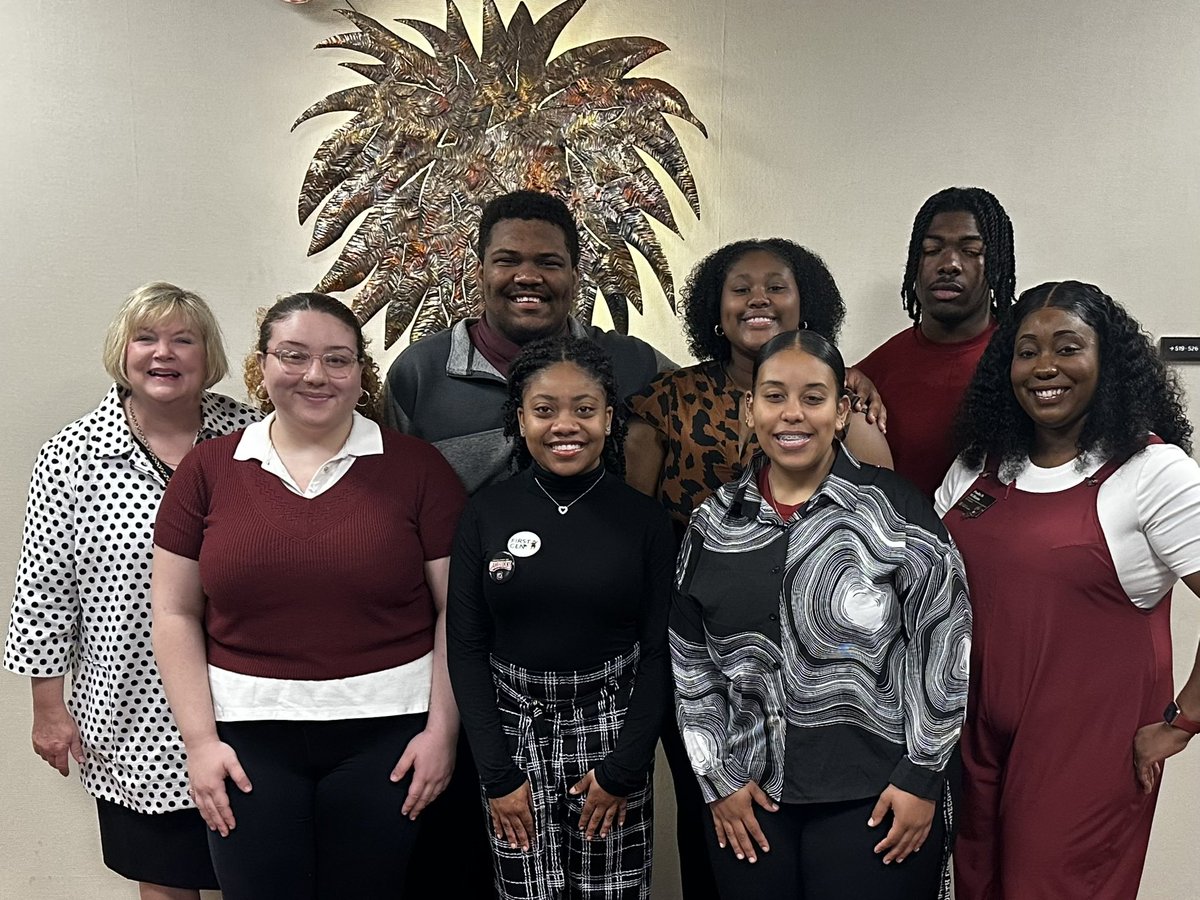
x=1173, y=717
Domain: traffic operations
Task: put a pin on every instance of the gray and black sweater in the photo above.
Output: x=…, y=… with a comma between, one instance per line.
x=442, y=390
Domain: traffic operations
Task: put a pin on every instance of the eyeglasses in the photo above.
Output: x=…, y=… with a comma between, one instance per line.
x=296, y=362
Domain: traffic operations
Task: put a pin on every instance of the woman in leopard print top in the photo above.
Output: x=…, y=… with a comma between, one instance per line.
x=687, y=436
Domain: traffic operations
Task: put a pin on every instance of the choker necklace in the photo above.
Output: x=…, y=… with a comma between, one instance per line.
x=164, y=471
x=562, y=509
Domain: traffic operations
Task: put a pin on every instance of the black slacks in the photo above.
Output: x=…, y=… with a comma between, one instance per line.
x=456, y=820
x=323, y=819
x=692, y=818
x=824, y=851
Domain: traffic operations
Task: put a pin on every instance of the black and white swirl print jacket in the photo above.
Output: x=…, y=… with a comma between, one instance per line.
x=826, y=656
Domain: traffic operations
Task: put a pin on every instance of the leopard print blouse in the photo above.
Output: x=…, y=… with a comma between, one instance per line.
x=696, y=412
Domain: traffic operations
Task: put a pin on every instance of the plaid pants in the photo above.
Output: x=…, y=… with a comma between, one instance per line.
x=560, y=725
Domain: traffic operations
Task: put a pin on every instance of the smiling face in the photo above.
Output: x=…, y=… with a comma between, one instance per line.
x=316, y=399
x=165, y=362
x=951, y=286
x=1055, y=370
x=796, y=411
x=758, y=301
x=527, y=280
x=564, y=418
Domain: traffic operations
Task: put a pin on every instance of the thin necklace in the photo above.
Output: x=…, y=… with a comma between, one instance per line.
x=745, y=432
x=164, y=471
x=728, y=369
x=562, y=509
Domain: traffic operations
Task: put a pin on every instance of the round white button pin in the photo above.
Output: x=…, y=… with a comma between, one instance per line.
x=524, y=543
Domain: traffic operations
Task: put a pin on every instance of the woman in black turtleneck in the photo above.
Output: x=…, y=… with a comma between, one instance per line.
x=560, y=584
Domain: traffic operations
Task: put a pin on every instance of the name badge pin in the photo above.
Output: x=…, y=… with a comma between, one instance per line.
x=975, y=503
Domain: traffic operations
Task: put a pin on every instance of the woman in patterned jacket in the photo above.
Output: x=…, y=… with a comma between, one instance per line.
x=687, y=431
x=82, y=600
x=819, y=638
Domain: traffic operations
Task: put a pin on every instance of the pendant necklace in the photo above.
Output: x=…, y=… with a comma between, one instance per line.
x=164, y=471
x=745, y=432
x=562, y=508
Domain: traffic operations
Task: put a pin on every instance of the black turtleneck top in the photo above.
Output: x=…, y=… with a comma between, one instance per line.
x=599, y=582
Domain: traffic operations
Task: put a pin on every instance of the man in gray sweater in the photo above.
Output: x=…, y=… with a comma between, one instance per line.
x=450, y=388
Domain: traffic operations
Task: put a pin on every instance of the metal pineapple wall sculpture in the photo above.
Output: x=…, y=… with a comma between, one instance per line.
x=434, y=137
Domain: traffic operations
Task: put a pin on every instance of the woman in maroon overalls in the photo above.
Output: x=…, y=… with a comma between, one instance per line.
x=1076, y=508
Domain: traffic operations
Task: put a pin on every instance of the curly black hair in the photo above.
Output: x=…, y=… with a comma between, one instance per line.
x=999, y=262
x=541, y=354
x=529, y=205
x=821, y=306
x=1135, y=394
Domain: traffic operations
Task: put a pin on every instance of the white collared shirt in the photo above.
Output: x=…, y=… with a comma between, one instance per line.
x=364, y=439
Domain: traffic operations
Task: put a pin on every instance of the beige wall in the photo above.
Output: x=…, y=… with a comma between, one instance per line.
x=150, y=140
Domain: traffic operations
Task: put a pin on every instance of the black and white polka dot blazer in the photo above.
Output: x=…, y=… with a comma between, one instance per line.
x=82, y=600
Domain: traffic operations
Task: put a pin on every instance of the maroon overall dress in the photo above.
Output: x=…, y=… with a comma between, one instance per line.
x=1064, y=670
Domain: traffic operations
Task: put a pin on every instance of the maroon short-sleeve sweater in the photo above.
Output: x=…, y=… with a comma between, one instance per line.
x=314, y=588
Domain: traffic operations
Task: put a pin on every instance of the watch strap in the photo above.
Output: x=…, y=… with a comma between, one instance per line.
x=1176, y=719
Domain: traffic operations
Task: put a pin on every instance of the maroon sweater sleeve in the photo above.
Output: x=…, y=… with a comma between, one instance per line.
x=440, y=496
x=179, y=526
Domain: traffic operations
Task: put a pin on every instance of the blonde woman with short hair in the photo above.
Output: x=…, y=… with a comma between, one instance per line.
x=82, y=599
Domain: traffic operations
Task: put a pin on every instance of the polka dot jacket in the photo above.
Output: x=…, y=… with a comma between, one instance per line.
x=82, y=600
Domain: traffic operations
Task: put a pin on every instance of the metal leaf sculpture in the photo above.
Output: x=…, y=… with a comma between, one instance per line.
x=434, y=137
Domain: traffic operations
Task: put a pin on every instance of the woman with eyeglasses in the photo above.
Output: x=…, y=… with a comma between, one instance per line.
x=82, y=601
x=299, y=592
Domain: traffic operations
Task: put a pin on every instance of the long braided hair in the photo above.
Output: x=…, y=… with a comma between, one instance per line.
x=999, y=263
x=539, y=355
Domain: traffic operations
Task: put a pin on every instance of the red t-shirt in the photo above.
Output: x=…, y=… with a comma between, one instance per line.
x=326, y=587
x=922, y=383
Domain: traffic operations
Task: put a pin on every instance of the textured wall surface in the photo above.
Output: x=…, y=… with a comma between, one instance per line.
x=147, y=141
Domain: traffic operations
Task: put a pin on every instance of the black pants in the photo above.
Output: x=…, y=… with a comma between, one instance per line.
x=323, y=820
x=824, y=851
x=692, y=818
x=455, y=820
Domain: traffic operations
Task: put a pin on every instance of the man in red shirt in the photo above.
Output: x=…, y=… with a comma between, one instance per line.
x=960, y=277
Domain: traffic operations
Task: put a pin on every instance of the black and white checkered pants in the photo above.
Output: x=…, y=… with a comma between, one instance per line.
x=559, y=725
